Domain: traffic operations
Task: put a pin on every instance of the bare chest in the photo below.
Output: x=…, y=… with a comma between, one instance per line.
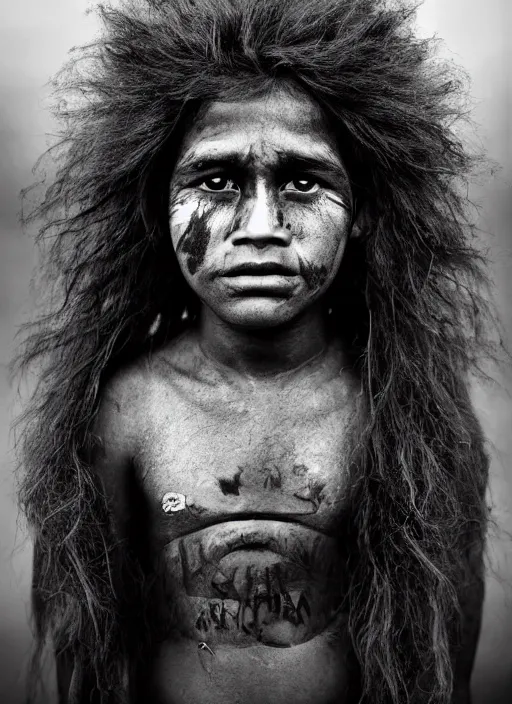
x=242, y=460
x=244, y=495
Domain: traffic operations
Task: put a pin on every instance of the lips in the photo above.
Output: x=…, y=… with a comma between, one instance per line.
x=243, y=582
x=260, y=269
x=199, y=551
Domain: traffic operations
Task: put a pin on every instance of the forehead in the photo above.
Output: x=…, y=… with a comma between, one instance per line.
x=261, y=129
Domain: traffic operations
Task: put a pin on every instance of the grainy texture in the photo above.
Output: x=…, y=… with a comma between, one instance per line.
x=421, y=453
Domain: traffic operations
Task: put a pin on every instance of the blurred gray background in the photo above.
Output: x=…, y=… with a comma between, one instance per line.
x=35, y=36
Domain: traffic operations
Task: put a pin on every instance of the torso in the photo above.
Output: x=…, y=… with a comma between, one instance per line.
x=250, y=573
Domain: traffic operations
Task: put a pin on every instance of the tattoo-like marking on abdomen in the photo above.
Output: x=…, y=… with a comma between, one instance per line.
x=265, y=610
x=313, y=275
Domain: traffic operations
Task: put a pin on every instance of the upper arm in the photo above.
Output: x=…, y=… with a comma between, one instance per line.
x=115, y=441
x=111, y=458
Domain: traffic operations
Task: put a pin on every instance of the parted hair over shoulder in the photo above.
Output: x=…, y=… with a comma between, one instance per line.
x=407, y=301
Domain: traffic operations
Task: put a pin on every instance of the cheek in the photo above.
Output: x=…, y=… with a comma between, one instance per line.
x=192, y=225
x=321, y=233
x=190, y=236
x=315, y=275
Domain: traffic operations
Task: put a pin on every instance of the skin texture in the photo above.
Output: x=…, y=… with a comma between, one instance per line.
x=241, y=525
x=245, y=190
x=239, y=528
x=128, y=407
x=247, y=560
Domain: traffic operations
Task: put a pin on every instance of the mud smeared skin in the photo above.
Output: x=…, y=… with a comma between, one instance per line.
x=194, y=241
x=265, y=474
x=273, y=479
x=243, y=208
x=231, y=486
x=272, y=482
x=313, y=275
x=313, y=488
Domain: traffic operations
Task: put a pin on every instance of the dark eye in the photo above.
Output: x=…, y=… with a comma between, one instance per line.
x=302, y=185
x=218, y=183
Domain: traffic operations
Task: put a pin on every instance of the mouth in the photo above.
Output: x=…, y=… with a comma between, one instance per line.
x=260, y=269
x=278, y=584
x=281, y=537
x=242, y=559
x=261, y=279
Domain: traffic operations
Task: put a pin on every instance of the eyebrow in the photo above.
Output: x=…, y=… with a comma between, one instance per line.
x=293, y=160
x=285, y=162
x=204, y=162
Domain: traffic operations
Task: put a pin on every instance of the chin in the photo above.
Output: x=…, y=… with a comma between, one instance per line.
x=259, y=313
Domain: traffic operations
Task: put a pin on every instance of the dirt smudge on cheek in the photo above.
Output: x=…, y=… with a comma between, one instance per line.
x=194, y=241
x=314, y=275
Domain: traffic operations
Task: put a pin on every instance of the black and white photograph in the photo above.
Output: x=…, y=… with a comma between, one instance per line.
x=256, y=352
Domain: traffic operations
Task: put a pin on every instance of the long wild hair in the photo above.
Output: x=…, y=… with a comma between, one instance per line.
x=407, y=301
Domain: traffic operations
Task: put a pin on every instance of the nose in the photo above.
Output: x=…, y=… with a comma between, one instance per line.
x=261, y=224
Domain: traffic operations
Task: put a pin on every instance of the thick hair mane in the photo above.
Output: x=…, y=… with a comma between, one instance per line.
x=413, y=323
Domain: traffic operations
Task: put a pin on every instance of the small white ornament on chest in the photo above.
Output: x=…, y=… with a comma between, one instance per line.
x=172, y=502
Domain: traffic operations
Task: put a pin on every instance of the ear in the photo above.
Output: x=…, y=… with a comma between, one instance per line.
x=360, y=220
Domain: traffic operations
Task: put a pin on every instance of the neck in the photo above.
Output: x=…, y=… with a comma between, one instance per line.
x=263, y=352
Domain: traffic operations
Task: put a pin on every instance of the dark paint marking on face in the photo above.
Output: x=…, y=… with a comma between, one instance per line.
x=194, y=241
x=313, y=275
x=280, y=218
x=288, y=226
x=237, y=222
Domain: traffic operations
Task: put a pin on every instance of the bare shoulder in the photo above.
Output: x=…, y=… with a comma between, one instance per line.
x=134, y=395
x=117, y=433
x=117, y=420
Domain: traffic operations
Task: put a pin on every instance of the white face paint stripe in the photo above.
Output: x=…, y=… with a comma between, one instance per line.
x=182, y=212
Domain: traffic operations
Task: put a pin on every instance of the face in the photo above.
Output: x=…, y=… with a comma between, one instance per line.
x=260, y=208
